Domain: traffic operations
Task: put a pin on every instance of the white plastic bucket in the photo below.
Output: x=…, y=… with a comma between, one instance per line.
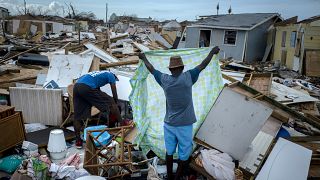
x=57, y=144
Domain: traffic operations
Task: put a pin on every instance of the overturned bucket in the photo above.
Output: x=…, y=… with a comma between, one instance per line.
x=57, y=144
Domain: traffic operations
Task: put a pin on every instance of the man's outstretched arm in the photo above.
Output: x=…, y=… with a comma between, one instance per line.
x=207, y=60
x=149, y=66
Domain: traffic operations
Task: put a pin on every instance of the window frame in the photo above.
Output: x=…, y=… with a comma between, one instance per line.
x=224, y=36
x=205, y=29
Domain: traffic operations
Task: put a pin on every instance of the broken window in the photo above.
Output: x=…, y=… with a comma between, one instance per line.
x=283, y=40
x=49, y=27
x=230, y=37
x=293, y=39
x=205, y=36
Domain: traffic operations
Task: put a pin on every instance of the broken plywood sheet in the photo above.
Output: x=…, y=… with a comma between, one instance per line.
x=65, y=68
x=313, y=63
x=141, y=47
x=234, y=120
x=99, y=53
x=38, y=105
x=261, y=82
x=257, y=152
x=287, y=160
x=285, y=94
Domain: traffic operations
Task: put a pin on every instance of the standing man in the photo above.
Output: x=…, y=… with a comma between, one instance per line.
x=87, y=93
x=179, y=108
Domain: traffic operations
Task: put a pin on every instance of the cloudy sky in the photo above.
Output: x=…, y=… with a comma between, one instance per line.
x=175, y=9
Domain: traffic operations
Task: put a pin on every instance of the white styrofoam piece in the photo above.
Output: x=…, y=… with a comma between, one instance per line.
x=100, y=53
x=65, y=68
x=256, y=152
x=123, y=88
x=287, y=160
x=233, y=122
x=283, y=91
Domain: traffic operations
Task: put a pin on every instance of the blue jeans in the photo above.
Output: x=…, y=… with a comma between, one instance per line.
x=181, y=136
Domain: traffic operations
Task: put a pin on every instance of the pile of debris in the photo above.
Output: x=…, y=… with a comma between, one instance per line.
x=262, y=124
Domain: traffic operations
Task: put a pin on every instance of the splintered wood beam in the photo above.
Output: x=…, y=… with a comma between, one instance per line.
x=120, y=63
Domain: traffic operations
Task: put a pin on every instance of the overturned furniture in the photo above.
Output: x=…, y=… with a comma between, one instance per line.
x=11, y=123
x=109, y=160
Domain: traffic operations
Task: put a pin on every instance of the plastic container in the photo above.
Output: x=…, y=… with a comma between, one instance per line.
x=103, y=138
x=57, y=144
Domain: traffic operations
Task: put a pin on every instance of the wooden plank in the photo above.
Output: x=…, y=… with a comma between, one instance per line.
x=121, y=63
x=304, y=138
x=95, y=66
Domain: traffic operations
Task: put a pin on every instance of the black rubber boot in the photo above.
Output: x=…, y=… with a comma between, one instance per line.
x=182, y=169
x=169, y=162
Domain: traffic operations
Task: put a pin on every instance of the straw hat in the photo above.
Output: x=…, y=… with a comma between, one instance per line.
x=175, y=61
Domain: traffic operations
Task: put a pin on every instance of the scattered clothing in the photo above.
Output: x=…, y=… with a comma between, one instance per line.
x=219, y=165
x=73, y=160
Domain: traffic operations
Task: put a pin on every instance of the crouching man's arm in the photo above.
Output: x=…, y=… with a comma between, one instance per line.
x=207, y=60
x=114, y=92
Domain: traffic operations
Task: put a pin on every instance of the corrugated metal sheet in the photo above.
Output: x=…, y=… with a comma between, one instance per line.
x=38, y=105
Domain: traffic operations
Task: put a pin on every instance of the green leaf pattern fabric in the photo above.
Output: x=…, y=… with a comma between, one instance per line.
x=148, y=100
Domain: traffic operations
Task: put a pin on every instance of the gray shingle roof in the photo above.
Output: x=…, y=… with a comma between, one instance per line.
x=236, y=21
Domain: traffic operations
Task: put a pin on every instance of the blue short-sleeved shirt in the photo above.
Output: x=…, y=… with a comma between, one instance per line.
x=178, y=92
x=97, y=79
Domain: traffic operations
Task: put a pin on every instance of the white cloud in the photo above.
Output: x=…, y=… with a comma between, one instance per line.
x=53, y=8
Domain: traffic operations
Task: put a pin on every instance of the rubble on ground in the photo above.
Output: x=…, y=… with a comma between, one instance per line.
x=280, y=106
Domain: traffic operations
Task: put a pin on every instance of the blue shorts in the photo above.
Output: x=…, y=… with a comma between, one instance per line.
x=181, y=136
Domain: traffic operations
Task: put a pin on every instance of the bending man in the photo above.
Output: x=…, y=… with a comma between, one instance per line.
x=87, y=93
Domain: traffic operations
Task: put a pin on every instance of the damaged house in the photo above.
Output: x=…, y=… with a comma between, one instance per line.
x=32, y=24
x=240, y=36
x=297, y=45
